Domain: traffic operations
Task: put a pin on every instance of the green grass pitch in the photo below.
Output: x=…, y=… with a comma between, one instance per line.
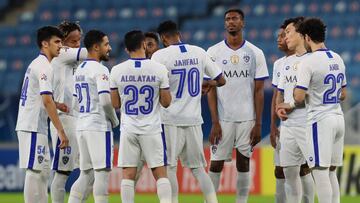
x=152, y=198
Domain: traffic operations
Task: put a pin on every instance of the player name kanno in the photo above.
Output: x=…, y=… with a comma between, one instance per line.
x=138, y=78
x=186, y=62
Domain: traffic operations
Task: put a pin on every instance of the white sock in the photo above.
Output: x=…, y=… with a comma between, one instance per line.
x=101, y=193
x=293, y=187
x=89, y=188
x=79, y=188
x=280, y=196
x=127, y=191
x=171, y=171
x=32, y=187
x=164, y=190
x=139, y=168
x=44, y=179
x=335, y=187
x=58, y=188
x=323, y=185
x=205, y=184
x=242, y=187
x=308, y=187
x=215, y=179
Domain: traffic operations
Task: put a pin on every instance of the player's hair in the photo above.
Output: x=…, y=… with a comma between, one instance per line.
x=133, y=40
x=93, y=37
x=239, y=11
x=46, y=33
x=296, y=21
x=153, y=35
x=168, y=27
x=314, y=28
x=67, y=27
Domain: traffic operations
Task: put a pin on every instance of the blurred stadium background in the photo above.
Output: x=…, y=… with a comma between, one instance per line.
x=201, y=22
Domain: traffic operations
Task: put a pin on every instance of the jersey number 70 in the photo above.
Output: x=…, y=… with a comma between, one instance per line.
x=193, y=80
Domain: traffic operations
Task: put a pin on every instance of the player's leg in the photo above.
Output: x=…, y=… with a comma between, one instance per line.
x=57, y=189
x=221, y=152
x=128, y=184
x=307, y=183
x=139, y=169
x=280, y=196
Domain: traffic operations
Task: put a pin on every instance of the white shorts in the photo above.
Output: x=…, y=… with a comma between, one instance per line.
x=33, y=150
x=292, y=144
x=96, y=149
x=185, y=142
x=276, y=153
x=134, y=148
x=326, y=143
x=66, y=159
x=234, y=135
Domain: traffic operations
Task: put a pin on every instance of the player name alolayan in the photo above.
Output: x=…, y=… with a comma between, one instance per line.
x=186, y=62
x=138, y=78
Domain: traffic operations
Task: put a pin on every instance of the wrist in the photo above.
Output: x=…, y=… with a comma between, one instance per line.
x=292, y=105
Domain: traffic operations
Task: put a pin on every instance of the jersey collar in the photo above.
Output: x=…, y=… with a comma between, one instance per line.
x=242, y=44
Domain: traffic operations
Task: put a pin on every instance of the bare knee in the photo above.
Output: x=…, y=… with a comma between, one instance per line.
x=159, y=172
x=304, y=170
x=242, y=162
x=332, y=168
x=129, y=173
x=216, y=166
x=279, y=172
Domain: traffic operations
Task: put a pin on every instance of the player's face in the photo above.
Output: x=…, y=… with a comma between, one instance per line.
x=293, y=38
x=233, y=23
x=105, y=49
x=54, y=46
x=73, y=39
x=151, y=46
x=281, y=43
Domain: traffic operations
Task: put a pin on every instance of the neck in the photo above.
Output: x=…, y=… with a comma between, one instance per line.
x=174, y=40
x=289, y=52
x=92, y=55
x=234, y=41
x=47, y=54
x=317, y=46
x=300, y=50
x=140, y=53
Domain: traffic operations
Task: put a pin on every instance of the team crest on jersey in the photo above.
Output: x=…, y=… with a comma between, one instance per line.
x=65, y=159
x=246, y=58
x=40, y=159
x=234, y=59
x=213, y=149
x=105, y=77
x=296, y=65
x=311, y=159
x=43, y=77
x=287, y=67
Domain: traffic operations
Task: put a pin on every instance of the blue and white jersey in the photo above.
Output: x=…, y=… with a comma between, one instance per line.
x=91, y=79
x=64, y=67
x=322, y=74
x=278, y=66
x=187, y=65
x=241, y=67
x=32, y=115
x=287, y=83
x=138, y=82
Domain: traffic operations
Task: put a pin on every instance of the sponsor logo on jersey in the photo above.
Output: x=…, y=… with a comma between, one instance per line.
x=213, y=59
x=105, y=77
x=287, y=67
x=236, y=73
x=234, y=59
x=65, y=159
x=43, y=77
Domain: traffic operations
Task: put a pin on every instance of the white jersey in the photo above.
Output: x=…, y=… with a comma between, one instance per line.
x=322, y=74
x=32, y=115
x=64, y=67
x=138, y=82
x=91, y=79
x=287, y=83
x=240, y=67
x=278, y=65
x=187, y=65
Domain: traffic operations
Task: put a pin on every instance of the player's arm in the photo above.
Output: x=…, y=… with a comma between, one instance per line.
x=343, y=94
x=216, y=132
x=115, y=98
x=255, y=135
x=274, y=131
x=213, y=71
x=69, y=55
x=165, y=97
x=279, y=102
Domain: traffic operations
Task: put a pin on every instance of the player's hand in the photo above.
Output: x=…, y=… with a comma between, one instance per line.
x=62, y=107
x=215, y=133
x=281, y=113
x=285, y=106
x=64, y=141
x=115, y=123
x=255, y=135
x=274, y=134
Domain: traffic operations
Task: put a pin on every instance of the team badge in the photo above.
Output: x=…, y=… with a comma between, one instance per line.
x=213, y=149
x=65, y=159
x=224, y=62
x=105, y=77
x=295, y=66
x=43, y=77
x=287, y=67
x=310, y=159
x=246, y=58
x=40, y=159
x=234, y=59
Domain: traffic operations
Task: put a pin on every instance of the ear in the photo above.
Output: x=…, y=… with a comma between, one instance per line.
x=45, y=43
x=144, y=45
x=96, y=47
x=127, y=51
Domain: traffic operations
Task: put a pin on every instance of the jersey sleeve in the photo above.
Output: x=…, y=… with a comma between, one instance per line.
x=44, y=76
x=276, y=74
x=69, y=55
x=261, y=71
x=212, y=70
x=164, y=78
x=280, y=82
x=157, y=57
x=113, y=85
x=304, y=75
x=102, y=81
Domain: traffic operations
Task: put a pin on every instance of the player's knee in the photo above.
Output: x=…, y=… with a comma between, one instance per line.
x=304, y=170
x=67, y=173
x=242, y=163
x=129, y=173
x=216, y=166
x=279, y=172
x=332, y=168
x=159, y=172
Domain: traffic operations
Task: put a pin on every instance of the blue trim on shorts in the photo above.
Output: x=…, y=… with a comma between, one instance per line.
x=164, y=144
x=56, y=156
x=316, y=144
x=32, y=150
x=108, y=149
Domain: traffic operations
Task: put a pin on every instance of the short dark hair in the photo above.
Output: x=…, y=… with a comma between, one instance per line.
x=66, y=27
x=153, y=35
x=93, y=37
x=45, y=33
x=239, y=11
x=133, y=40
x=314, y=28
x=296, y=21
x=168, y=27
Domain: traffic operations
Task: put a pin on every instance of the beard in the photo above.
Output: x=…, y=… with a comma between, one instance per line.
x=104, y=57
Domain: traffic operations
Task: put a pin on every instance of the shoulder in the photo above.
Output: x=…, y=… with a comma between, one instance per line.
x=216, y=46
x=254, y=48
x=161, y=52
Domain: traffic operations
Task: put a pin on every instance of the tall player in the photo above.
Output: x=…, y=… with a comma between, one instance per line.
x=236, y=112
x=64, y=66
x=292, y=140
x=96, y=119
x=138, y=87
x=321, y=78
x=35, y=106
x=182, y=121
x=152, y=43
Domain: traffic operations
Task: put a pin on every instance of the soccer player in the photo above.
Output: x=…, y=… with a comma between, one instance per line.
x=96, y=119
x=236, y=108
x=138, y=87
x=292, y=140
x=64, y=66
x=322, y=80
x=152, y=43
x=35, y=106
x=182, y=121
